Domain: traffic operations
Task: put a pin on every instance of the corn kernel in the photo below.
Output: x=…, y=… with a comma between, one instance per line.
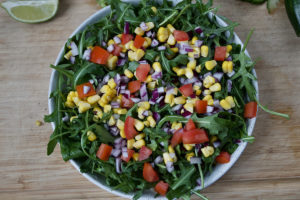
x=148, y=79
x=175, y=50
x=139, y=125
x=146, y=123
x=213, y=139
x=225, y=104
x=130, y=143
x=91, y=136
x=208, y=81
x=215, y=87
x=93, y=99
x=198, y=92
x=110, y=42
x=180, y=72
x=135, y=156
x=151, y=85
x=194, y=39
x=144, y=104
x=139, y=54
x=70, y=96
x=156, y=66
x=98, y=112
x=188, y=147
x=171, y=40
x=171, y=28
x=189, y=107
x=198, y=69
x=189, y=155
x=151, y=121
x=167, y=158
x=140, y=136
x=191, y=64
x=111, y=83
x=171, y=149
x=150, y=25
x=176, y=125
x=138, y=144
x=73, y=117
x=122, y=133
x=207, y=151
x=131, y=55
x=147, y=43
x=192, y=101
x=209, y=65
x=210, y=102
x=228, y=48
x=189, y=73
x=139, y=31
x=120, y=124
x=204, y=51
x=175, y=69
x=107, y=108
x=230, y=100
x=162, y=34
x=111, y=121
x=169, y=98
x=69, y=104
x=141, y=112
x=179, y=100
x=128, y=73
x=154, y=9
x=68, y=55
x=105, y=89
x=83, y=106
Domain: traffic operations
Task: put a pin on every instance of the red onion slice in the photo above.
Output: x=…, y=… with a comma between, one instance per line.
x=135, y=100
x=117, y=40
x=143, y=26
x=126, y=28
x=74, y=49
x=154, y=43
x=198, y=30
x=170, y=167
x=118, y=165
x=218, y=76
x=143, y=93
x=161, y=48
x=209, y=109
x=116, y=152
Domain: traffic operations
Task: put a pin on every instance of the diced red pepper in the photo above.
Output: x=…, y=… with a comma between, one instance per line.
x=161, y=188
x=134, y=86
x=201, y=106
x=195, y=136
x=126, y=38
x=177, y=137
x=180, y=35
x=223, y=157
x=130, y=153
x=99, y=55
x=149, y=174
x=129, y=129
x=186, y=90
x=80, y=90
x=220, y=53
x=138, y=41
x=142, y=72
x=144, y=153
x=126, y=102
x=250, y=109
x=117, y=50
x=190, y=125
x=104, y=151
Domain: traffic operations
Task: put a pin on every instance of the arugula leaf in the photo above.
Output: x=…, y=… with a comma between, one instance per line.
x=132, y=66
x=165, y=63
x=103, y=135
x=184, y=178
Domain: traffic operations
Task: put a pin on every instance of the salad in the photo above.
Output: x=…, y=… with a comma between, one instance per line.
x=153, y=96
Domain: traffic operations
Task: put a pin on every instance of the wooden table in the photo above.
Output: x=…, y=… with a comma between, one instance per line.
x=268, y=169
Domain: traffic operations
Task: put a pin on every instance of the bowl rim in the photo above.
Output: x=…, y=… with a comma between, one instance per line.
x=218, y=171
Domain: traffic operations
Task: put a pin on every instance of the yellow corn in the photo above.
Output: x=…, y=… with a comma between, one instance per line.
x=140, y=113
x=130, y=143
x=139, y=125
x=138, y=144
x=111, y=83
x=120, y=111
x=192, y=101
x=147, y=43
x=122, y=133
x=171, y=40
x=128, y=73
x=110, y=42
x=213, y=139
x=189, y=155
x=210, y=102
x=144, y=104
x=194, y=39
x=169, y=98
x=112, y=62
x=230, y=100
x=171, y=28
x=207, y=97
x=139, y=31
x=206, y=92
x=189, y=73
x=162, y=34
x=146, y=123
x=156, y=66
x=179, y=100
x=189, y=107
x=111, y=121
x=140, y=136
x=151, y=121
x=135, y=156
x=227, y=66
x=73, y=117
x=167, y=158
x=171, y=149
x=225, y=104
x=175, y=50
x=98, y=112
x=93, y=99
x=120, y=124
x=204, y=51
x=228, y=48
x=83, y=106
x=105, y=89
x=154, y=9
x=208, y=81
x=91, y=136
x=207, y=151
x=176, y=125
x=131, y=55
x=198, y=92
x=107, y=108
x=188, y=147
x=180, y=72
x=191, y=64
x=68, y=55
x=151, y=85
x=198, y=69
x=139, y=54
x=70, y=96
x=215, y=87
x=69, y=104
x=209, y=65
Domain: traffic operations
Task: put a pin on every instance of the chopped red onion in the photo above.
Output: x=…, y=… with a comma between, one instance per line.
x=158, y=160
x=143, y=93
x=156, y=116
x=182, y=80
x=216, y=103
x=122, y=55
x=143, y=26
x=117, y=79
x=207, y=74
x=198, y=83
x=166, y=129
x=161, y=90
x=195, y=160
x=124, y=143
x=229, y=58
x=121, y=62
x=198, y=43
x=231, y=74
x=87, y=54
x=86, y=89
x=230, y=111
x=146, y=113
x=110, y=48
x=196, y=55
x=172, y=155
x=171, y=90
x=229, y=85
x=149, y=34
x=72, y=59
x=186, y=113
x=126, y=28
x=156, y=75
x=153, y=35
x=135, y=100
x=218, y=75
x=74, y=49
x=116, y=116
x=114, y=130
x=177, y=107
x=216, y=144
x=162, y=144
x=143, y=62
x=115, y=104
x=191, y=80
x=152, y=102
x=189, y=49
x=198, y=30
x=118, y=140
x=117, y=40
x=126, y=93
x=161, y=48
x=66, y=118
x=154, y=43
x=106, y=79
x=170, y=166
x=115, y=152
x=124, y=79
x=209, y=109
x=159, y=99
x=118, y=165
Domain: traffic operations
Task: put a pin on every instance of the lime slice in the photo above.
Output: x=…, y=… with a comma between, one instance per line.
x=31, y=11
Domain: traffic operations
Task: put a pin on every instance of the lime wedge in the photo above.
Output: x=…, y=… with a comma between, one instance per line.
x=31, y=11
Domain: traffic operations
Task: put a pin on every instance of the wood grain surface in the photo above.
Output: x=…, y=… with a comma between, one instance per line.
x=268, y=169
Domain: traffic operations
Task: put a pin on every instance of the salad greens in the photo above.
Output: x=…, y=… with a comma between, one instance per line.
x=123, y=121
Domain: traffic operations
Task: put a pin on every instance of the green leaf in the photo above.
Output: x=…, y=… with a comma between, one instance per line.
x=165, y=63
x=61, y=69
x=132, y=66
x=185, y=177
x=151, y=55
x=103, y=134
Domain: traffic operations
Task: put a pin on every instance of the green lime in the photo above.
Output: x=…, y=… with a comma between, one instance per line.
x=31, y=11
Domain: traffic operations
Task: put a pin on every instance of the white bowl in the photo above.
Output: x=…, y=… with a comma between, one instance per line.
x=219, y=170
